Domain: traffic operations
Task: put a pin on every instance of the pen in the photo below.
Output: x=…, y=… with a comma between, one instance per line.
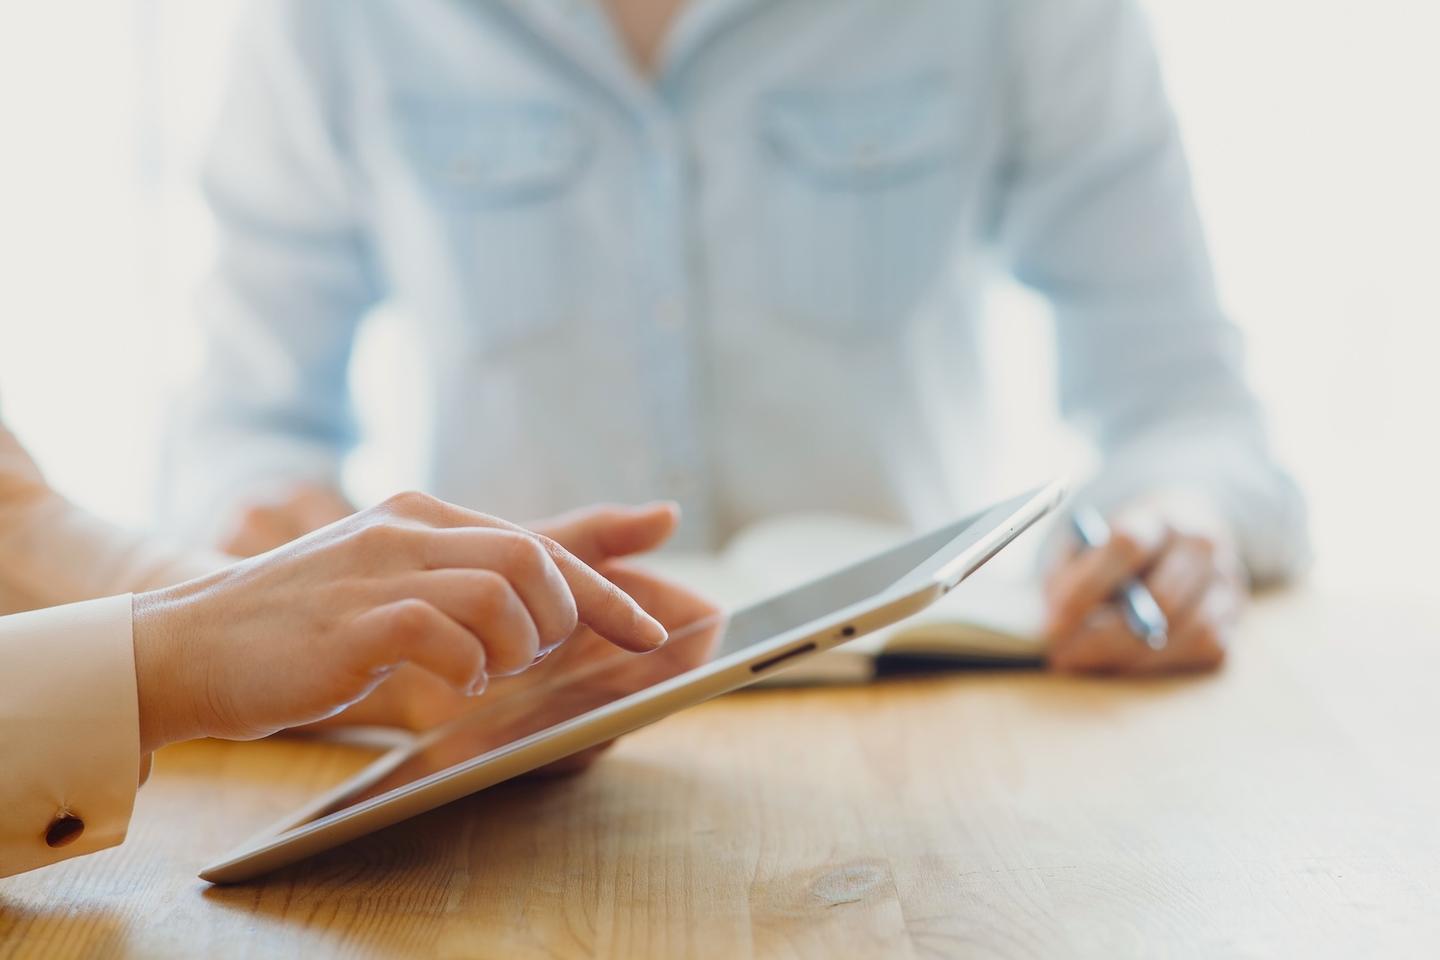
x=1142, y=614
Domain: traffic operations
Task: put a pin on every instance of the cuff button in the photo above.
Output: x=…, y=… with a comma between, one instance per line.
x=64, y=830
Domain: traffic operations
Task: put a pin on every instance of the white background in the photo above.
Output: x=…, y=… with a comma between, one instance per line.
x=1313, y=132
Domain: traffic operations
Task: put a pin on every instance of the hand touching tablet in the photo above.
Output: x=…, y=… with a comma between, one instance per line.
x=298, y=634
x=418, y=700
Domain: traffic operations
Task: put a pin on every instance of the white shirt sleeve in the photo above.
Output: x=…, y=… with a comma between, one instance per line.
x=69, y=732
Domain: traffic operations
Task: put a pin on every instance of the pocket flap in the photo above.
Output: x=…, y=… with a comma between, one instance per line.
x=494, y=151
x=866, y=136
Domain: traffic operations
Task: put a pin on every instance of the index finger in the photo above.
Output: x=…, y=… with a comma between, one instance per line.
x=602, y=606
x=674, y=605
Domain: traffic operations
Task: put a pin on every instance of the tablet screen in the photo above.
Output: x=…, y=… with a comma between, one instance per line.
x=588, y=673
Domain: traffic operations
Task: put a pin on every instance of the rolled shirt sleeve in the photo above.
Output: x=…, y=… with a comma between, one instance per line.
x=1099, y=217
x=69, y=732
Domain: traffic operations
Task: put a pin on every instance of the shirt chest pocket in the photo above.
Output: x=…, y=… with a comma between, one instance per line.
x=862, y=198
x=500, y=179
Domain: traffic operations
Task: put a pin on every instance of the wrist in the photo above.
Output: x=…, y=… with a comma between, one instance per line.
x=165, y=670
x=1196, y=512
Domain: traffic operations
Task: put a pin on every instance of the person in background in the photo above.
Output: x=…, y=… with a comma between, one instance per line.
x=731, y=252
x=397, y=615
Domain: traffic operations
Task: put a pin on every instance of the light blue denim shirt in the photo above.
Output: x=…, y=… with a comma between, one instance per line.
x=749, y=282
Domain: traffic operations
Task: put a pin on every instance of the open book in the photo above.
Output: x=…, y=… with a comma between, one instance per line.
x=994, y=618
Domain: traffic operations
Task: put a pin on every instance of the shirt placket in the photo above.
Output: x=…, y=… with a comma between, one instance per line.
x=670, y=367
x=667, y=335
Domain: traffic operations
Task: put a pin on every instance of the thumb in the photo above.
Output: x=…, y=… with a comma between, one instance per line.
x=595, y=534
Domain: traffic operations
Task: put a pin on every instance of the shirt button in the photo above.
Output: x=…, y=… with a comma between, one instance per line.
x=64, y=830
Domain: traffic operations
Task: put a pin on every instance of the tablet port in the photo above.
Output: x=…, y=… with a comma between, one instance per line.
x=781, y=658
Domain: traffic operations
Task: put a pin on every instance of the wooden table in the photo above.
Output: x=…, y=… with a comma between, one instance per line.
x=1288, y=807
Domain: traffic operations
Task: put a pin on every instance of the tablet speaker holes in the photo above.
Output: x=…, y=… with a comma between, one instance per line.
x=781, y=658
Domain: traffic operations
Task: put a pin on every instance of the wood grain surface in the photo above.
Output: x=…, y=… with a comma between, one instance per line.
x=1289, y=807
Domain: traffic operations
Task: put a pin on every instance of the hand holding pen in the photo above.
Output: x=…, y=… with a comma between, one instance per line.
x=1156, y=589
x=1142, y=614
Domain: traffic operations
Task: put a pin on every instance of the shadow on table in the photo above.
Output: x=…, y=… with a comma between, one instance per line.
x=392, y=888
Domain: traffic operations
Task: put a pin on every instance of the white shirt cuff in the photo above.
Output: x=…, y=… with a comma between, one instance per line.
x=69, y=731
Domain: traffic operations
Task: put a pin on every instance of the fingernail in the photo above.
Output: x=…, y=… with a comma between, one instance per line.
x=658, y=636
x=478, y=687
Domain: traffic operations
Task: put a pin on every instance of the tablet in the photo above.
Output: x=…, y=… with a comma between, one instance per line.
x=592, y=696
